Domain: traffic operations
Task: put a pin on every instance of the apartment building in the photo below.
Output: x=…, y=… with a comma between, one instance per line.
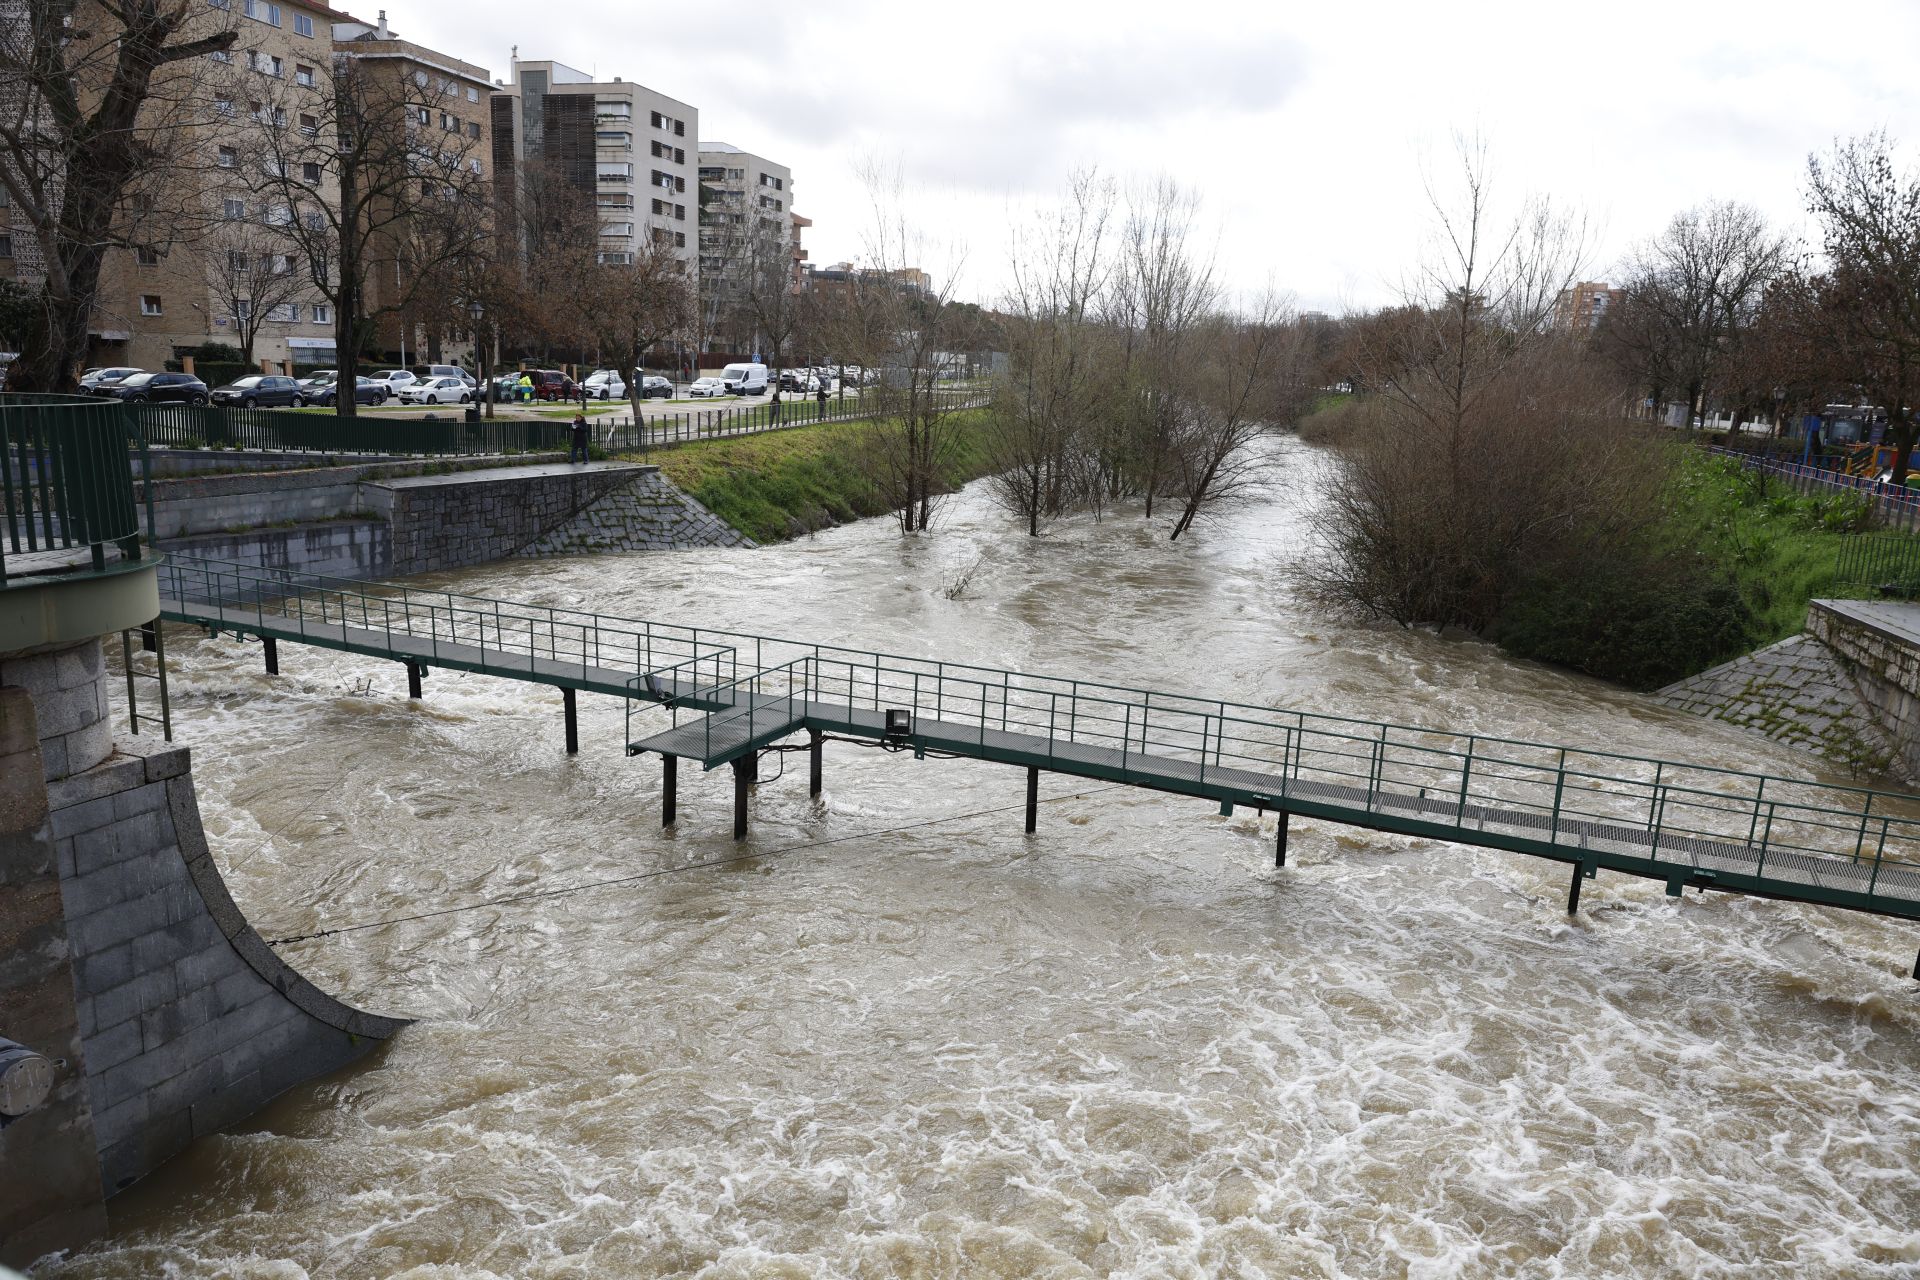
x=633, y=147
x=448, y=110
x=1583, y=307
x=158, y=301
x=742, y=196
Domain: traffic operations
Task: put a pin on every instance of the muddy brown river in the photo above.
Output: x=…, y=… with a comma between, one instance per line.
x=1124, y=1046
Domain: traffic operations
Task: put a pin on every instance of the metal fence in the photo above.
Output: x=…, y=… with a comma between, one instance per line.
x=64, y=479
x=184, y=426
x=1894, y=506
x=667, y=430
x=1889, y=562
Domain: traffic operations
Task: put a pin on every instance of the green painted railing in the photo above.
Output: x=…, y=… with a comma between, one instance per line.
x=1850, y=845
x=184, y=426
x=65, y=480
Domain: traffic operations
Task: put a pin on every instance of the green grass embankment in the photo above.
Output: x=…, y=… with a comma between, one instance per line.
x=785, y=484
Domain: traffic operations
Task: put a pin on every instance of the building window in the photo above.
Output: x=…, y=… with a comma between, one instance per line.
x=150, y=305
x=222, y=55
x=473, y=94
x=312, y=221
x=473, y=130
x=224, y=106
x=680, y=128
x=322, y=313
x=302, y=25
x=242, y=309
x=238, y=262
x=267, y=65
x=613, y=259
x=285, y=313
x=310, y=171
x=233, y=210
x=617, y=229
x=260, y=11
x=228, y=157
x=680, y=213
x=6, y=246
x=614, y=138
x=679, y=239
x=736, y=175
x=423, y=115
x=309, y=125
x=474, y=164
x=303, y=74
x=146, y=255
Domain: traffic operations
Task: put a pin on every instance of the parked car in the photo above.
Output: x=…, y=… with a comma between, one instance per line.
x=319, y=379
x=395, y=380
x=94, y=377
x=745, y=379
x=164, y=388
x=708, y=387
x=606, y=384
x=798, y=380
x=446, y=390
x=506, y=387
x=653, y=387
x=106, y=378
x=428, y=372
x=551, y=384
x=258, y=390
x=365, y=391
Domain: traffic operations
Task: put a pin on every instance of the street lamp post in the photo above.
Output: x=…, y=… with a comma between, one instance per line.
x=478, y=313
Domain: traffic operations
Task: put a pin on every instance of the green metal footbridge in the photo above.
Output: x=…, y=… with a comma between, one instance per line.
x=733, y=695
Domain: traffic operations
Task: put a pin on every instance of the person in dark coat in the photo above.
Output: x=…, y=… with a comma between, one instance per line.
x=577, y=442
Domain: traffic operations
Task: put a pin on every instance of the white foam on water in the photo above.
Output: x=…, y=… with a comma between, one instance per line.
x=1126, y=1046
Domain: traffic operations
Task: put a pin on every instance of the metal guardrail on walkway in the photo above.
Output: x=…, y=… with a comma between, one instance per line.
x=65, y=482
x=664, y=431
x=1685, y=824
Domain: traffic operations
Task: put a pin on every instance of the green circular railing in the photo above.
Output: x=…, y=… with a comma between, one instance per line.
x=66, y=483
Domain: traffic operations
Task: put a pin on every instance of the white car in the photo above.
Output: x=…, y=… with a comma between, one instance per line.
x=395, y=380
x=438, y=391
x=606, y=384
x=707, y=387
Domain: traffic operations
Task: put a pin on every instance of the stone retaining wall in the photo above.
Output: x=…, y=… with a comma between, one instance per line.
x=1798, y=691
x=1883, y=659
x=650, y=513
x=446, y=525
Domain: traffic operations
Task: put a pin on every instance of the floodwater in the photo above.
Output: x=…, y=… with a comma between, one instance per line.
x=904, y=1039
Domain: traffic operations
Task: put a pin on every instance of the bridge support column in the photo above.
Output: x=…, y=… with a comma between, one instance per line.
x=149, y=637
x=573, y=723
x=1033, y=798
x=814, y=740
x=1573, y=889
x=743, y=774
x=272, y=648
x=669, y=789
x=413, y=680
x=1280, y=839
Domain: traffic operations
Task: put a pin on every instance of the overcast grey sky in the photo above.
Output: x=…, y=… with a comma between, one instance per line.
x=1305, y=127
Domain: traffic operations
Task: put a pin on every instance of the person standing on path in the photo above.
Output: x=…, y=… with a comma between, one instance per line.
x=823, y=397
x=577, y=439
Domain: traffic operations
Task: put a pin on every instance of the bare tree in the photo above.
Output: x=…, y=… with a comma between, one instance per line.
x=373, y=196
x=906, y=324
x=634, y=305
x=250, y=275
x=1492, y=446
x=1050, y=406
x=1869, y=212
x=1691, y=288
x=1249, y=375
x=98, y=103
x=1163, y=291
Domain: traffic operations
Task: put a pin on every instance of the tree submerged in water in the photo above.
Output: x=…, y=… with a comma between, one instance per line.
x=1132, y=377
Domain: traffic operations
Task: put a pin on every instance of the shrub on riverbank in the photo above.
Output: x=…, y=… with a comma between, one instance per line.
x=1729, y=568
x=786, y=484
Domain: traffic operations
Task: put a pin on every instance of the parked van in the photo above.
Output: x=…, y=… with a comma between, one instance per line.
x=745, y=379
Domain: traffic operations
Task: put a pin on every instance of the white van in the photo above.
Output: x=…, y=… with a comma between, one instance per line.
x=745, y=379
